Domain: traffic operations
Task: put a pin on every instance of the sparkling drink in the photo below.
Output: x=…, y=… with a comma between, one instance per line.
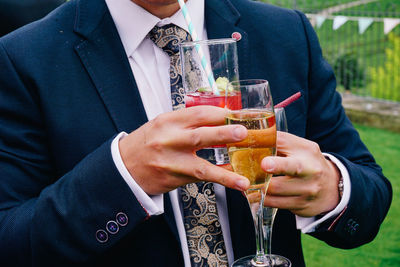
x=246, y=156
x=257, y=115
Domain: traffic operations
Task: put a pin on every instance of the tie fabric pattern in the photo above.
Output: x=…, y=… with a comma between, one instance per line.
x=168, y=38
x=200, y=216
x=203, y=230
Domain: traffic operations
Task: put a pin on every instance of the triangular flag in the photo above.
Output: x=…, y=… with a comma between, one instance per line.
x=320, y=21
x=363, y=24
x=389, y=24
x=338, y=22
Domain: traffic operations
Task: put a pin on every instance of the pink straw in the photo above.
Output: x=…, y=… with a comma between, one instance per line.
x=288, y=100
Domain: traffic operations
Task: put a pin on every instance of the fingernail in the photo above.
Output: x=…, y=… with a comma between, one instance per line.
x=239, y=133
x=242, y=184
x=269, y=164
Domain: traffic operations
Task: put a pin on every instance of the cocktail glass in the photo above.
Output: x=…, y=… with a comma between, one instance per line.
x=202, y=89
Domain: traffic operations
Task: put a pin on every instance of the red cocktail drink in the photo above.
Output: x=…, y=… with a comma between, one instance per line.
x=234, y=101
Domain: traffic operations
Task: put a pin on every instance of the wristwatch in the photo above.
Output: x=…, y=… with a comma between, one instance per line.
x=340, y=187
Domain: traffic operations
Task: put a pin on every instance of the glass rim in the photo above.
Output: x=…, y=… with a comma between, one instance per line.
x=245, y=82
x=208, y=42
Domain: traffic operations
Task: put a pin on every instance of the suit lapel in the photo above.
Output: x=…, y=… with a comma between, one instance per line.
x=105, y=60
x=221, y=21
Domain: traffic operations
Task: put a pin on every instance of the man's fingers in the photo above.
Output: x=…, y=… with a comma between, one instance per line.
x=289, y=186
x=201, y=115
x=226, y=167
x=205, y=171
x=285, y=165
x=288, y=144
x=284, y=202
x=296, y=204
x=209, y=136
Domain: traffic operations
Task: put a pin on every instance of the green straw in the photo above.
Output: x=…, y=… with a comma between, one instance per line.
x=192, y=32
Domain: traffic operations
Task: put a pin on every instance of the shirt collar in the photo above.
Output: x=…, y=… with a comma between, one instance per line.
x=134, y=22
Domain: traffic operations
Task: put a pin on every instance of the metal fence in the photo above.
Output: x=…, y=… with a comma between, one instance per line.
x=361, y=41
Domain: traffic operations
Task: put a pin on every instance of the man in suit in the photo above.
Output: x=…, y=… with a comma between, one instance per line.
x=91, y=153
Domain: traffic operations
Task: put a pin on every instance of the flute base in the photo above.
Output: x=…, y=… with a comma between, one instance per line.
x=269, y=261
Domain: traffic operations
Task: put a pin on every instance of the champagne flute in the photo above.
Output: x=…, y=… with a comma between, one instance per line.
x=269, y=212
x=257, y=115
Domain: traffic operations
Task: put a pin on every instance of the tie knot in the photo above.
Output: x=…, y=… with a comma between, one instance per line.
x=168, y=38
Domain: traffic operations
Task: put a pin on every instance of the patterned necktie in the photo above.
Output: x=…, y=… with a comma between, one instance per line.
x=200, y=216
x=168, y=38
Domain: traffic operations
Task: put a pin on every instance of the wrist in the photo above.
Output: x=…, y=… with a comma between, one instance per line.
x=335, y=189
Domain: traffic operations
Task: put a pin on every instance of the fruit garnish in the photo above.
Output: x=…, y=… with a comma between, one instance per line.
x=222, y=85
x=203, y=89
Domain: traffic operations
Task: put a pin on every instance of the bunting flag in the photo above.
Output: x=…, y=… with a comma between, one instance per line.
x=320, y=20
x=389, y=24
x=338, y=21
x=363, y=24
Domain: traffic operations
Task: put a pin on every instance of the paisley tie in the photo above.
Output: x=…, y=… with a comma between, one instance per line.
x=200, y=216
x=168, y=38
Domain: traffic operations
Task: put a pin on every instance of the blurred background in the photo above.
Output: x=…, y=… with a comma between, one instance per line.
x=361, y=41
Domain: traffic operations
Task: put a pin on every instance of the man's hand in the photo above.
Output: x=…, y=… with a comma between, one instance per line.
x=161, y=155
x=307, y=183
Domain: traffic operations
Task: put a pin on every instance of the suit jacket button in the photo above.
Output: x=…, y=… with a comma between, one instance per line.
x=349, y=225
x=353, y=231
x=101, y=236
x=112, y=227
x=355, y=227
x=122, y=219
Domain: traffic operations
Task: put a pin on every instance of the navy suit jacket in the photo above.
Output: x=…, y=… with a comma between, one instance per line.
x=66, y=89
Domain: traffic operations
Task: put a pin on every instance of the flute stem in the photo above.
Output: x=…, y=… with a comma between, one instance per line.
x=268, y=222
x=257, y=212
x=259, y=233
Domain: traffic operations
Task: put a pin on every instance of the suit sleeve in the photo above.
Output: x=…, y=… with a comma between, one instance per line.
x=328, y=125
x=47, y=217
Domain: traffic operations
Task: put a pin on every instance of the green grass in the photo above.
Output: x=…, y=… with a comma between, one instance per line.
x=385, y=249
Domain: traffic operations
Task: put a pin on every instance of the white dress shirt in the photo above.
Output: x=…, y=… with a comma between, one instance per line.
x=150, y=66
